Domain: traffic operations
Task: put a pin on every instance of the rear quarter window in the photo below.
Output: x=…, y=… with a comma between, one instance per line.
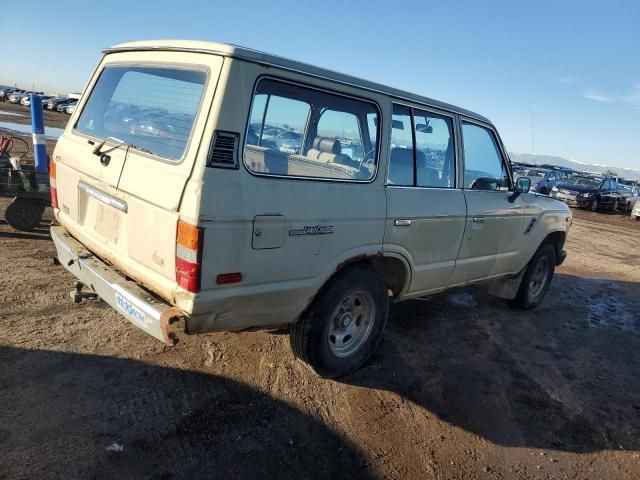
x=151, y=108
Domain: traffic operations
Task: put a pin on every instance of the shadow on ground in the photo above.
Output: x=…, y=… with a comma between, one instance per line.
x=60, y=411
x=41, y=232
x=563, y=376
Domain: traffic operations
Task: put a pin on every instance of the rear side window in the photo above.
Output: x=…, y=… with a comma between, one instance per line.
x=422, y=151
x=151, y=108
x=484, y=168
x=302, y=132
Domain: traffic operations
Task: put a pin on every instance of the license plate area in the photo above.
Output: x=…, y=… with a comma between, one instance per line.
x=103, y=213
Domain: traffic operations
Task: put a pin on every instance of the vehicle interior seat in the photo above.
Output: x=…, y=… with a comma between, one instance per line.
x=328, y=150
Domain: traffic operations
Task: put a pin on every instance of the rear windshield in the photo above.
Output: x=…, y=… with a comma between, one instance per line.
x=151, y=108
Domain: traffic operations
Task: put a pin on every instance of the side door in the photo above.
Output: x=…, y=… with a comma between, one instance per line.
x=494, y=226
x=426, y=209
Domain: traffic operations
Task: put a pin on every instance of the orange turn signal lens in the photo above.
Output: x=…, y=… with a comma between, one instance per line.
x=188, y=235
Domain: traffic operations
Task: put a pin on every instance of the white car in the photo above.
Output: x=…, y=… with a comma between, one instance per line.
x=217, y=230
x=15, y=97
x=70, y=108
x=635, y=212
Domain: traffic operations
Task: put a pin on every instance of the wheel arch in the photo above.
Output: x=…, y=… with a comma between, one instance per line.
x=556, y=239
x=393, y=268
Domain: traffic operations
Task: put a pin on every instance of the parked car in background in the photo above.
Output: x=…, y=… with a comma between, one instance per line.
x=19, y=97
x=534, y=173
x=70, y=108
x=286, y=141
x=26, y=101
x=16, y=96
x=63, y=105
x=550, y=180
x=629, y=197
x=55, y=101
x=5, y=92
x=593, y=193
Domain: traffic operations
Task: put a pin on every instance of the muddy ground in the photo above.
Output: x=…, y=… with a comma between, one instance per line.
x=461, y=386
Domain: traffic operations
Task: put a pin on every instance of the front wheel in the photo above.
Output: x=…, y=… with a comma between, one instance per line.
x=594, y=205
x=343, y=326
x=536, y=279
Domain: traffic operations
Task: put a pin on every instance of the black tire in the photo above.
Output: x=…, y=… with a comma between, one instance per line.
x=616, y=205
x=534, y=288
x=310, y=335
x=23, y=214
x=594, y=205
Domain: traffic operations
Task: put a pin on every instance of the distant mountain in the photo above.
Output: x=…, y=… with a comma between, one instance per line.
x=565, y=162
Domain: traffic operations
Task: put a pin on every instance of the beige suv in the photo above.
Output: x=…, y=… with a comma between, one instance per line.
x=209, y=187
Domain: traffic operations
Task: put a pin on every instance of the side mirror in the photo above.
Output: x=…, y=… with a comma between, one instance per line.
x=523, y=185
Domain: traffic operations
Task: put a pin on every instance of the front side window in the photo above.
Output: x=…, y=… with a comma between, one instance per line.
x=302, y=132
x=484, y=168
x=421, y=149
x=150, y=108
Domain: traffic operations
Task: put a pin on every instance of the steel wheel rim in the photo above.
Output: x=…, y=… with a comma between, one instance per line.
x=351, y=324
x=538, y=278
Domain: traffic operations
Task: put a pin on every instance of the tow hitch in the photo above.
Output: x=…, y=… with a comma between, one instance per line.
x=77, y=295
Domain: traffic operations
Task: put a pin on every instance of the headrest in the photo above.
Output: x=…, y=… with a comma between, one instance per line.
x=328, y=145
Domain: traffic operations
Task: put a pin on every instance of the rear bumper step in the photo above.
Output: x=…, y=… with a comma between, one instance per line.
x=127, y=297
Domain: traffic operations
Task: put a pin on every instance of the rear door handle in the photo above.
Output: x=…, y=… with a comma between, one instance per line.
x=402, y=222
x=478, y=219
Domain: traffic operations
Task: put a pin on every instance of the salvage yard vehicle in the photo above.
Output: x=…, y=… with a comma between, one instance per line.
x=594, y=193
x=212, y=225
x=550, y=180
x=630, y=196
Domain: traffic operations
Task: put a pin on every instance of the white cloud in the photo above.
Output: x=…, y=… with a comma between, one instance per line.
x=632, y=99
x=597, y=96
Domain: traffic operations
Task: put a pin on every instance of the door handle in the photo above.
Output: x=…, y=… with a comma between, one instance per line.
x=402, y=222
x=478, y=219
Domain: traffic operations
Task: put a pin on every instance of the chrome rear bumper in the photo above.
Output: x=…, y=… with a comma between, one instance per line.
x=127, y=297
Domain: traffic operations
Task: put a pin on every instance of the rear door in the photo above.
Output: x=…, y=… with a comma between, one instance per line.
x=494, y=226
x=426, y=213
x=122, y=202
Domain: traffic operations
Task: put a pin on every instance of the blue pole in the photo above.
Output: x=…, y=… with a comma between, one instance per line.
x=39, y=144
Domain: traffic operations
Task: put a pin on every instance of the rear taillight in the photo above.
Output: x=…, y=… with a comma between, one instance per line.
x=52, y=184
x=188, y=256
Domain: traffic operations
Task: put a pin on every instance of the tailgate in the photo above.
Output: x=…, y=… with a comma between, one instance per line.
x=121, y=198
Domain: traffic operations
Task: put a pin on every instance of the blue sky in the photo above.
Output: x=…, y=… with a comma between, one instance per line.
x=574, y=64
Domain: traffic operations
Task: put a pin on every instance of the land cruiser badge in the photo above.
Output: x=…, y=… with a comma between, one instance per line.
x=312, y=230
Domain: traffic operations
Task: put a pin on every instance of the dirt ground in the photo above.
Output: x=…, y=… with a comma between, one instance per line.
x=461, y=386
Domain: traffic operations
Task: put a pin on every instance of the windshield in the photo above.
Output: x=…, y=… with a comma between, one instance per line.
x=152, y=108
x=588, y=181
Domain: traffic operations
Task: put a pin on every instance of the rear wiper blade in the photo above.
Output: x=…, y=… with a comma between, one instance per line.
x=98, y=150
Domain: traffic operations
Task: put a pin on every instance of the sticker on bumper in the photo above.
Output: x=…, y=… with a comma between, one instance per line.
x=130, y=310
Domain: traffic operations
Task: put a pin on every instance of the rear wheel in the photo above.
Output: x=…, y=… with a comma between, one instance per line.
x=343, y=326
x=23, y=214
x=537, y=278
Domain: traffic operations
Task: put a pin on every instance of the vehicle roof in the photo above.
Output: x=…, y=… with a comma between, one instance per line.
x=234, y=51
